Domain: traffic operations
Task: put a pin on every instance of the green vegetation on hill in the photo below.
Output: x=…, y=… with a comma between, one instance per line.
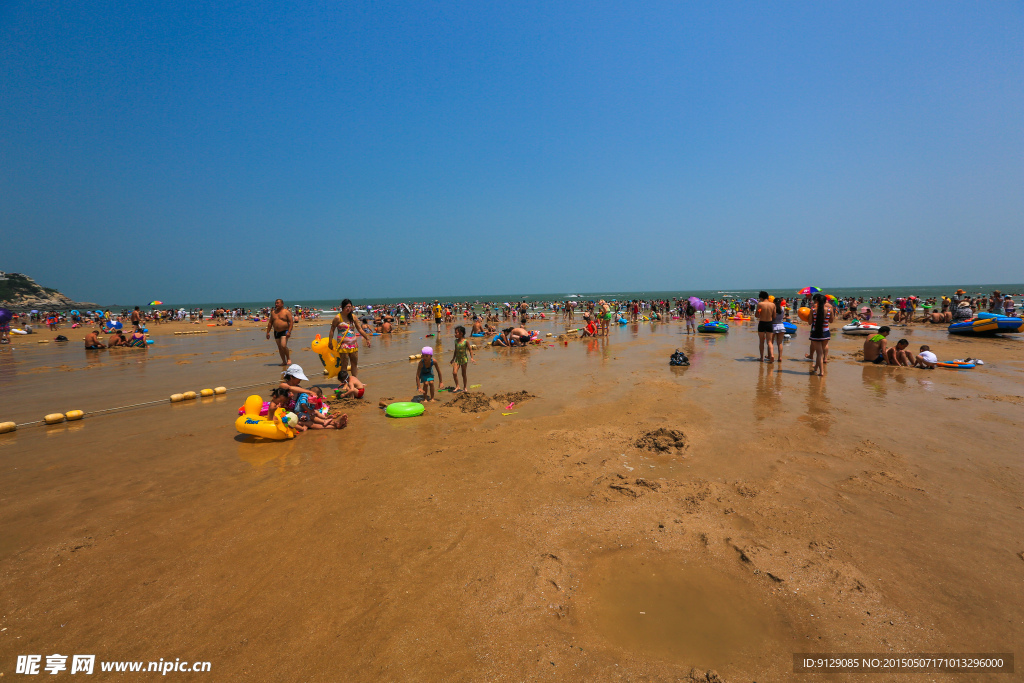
x=16, y=285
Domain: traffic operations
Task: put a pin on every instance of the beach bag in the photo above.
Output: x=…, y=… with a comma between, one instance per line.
x=678, y=358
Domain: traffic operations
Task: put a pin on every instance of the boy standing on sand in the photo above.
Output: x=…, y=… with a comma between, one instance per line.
x=281, y=323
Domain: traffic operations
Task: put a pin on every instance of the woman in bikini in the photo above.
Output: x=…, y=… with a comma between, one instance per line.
x=349, y=331
x=821, y=316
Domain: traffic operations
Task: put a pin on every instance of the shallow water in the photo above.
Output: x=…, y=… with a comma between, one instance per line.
x=667, y=607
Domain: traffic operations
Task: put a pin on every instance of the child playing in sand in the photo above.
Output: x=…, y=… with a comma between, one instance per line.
x=461, y=357
x=425, y=374
x=350, y=386
x=300, y=401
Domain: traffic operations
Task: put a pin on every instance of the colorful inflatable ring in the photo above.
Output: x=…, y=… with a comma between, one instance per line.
x=404, y=409
x=956, y=366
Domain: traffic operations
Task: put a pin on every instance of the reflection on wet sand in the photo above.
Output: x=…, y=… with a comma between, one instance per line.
x=819, y=409
x=767, y=392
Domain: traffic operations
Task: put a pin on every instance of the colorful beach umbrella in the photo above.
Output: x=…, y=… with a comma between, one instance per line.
x=807, y=291
x=5, y=316
x=830, y=297
x=697, y=303
x=156, y=303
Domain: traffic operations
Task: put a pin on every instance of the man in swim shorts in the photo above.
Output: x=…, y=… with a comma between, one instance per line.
x=92, y=341
x=874, y=347
x=281, y=324
x=765, y=330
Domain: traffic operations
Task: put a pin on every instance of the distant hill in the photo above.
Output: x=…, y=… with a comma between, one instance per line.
x=20, y=292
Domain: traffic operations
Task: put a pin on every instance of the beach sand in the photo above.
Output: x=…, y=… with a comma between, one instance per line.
x=632, y=521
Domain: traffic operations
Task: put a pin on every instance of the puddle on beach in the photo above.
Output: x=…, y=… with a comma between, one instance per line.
x=679, y=612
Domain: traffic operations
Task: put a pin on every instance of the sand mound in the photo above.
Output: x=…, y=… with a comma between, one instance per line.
x=470, y=402
x=662, y=440
x=513, y=397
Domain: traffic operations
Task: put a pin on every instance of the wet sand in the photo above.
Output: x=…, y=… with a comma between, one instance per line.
x=878, y=509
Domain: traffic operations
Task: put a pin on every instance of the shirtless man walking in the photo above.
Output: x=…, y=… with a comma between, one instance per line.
x=281, y=323
x=765, y=315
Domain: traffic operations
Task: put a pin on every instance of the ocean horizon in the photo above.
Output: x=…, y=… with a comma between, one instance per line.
x=927, y=291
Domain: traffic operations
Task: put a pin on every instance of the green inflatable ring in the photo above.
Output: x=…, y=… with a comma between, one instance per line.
x=404, y=409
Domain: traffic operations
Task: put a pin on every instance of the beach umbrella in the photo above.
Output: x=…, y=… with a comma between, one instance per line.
x=5, y=316
x=156, y=303
x=807, y=291
x=697, y=303
x=830, y=297
x=35, y=310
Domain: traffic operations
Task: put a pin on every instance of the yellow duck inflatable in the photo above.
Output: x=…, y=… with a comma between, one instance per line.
x=331, y=358
x=251, y=422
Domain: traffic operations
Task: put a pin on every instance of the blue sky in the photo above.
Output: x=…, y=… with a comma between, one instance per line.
x=236, y=151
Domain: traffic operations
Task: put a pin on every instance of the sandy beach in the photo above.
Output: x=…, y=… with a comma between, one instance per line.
x=626, y=521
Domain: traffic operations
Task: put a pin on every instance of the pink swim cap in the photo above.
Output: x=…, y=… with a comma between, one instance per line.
x=427, y=351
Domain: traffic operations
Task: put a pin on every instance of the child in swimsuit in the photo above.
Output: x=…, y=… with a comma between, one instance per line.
x=460, y=359
x=301, y=405
x=425, y=374
x=350, y=386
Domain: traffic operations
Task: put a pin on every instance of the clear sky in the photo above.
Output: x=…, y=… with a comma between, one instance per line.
x=235, y=151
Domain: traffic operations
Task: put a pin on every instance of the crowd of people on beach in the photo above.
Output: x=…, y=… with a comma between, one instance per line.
x=349, y=325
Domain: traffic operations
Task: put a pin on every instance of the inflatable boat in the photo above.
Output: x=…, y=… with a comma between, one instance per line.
x=1004, y=323
x=713, y=327
x=987, y=326
x=857, y=327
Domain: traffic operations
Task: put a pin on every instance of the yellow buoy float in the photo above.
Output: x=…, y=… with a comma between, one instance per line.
x=220, y=390
x=206, y=392
x=189, y=395
x=175, y=398
x=7, y=427
x=72, y=415
x=54, y=418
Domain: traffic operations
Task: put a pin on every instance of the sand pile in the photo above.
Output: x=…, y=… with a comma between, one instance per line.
x=513, y=397
x=471, y=402
x=662, y=440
